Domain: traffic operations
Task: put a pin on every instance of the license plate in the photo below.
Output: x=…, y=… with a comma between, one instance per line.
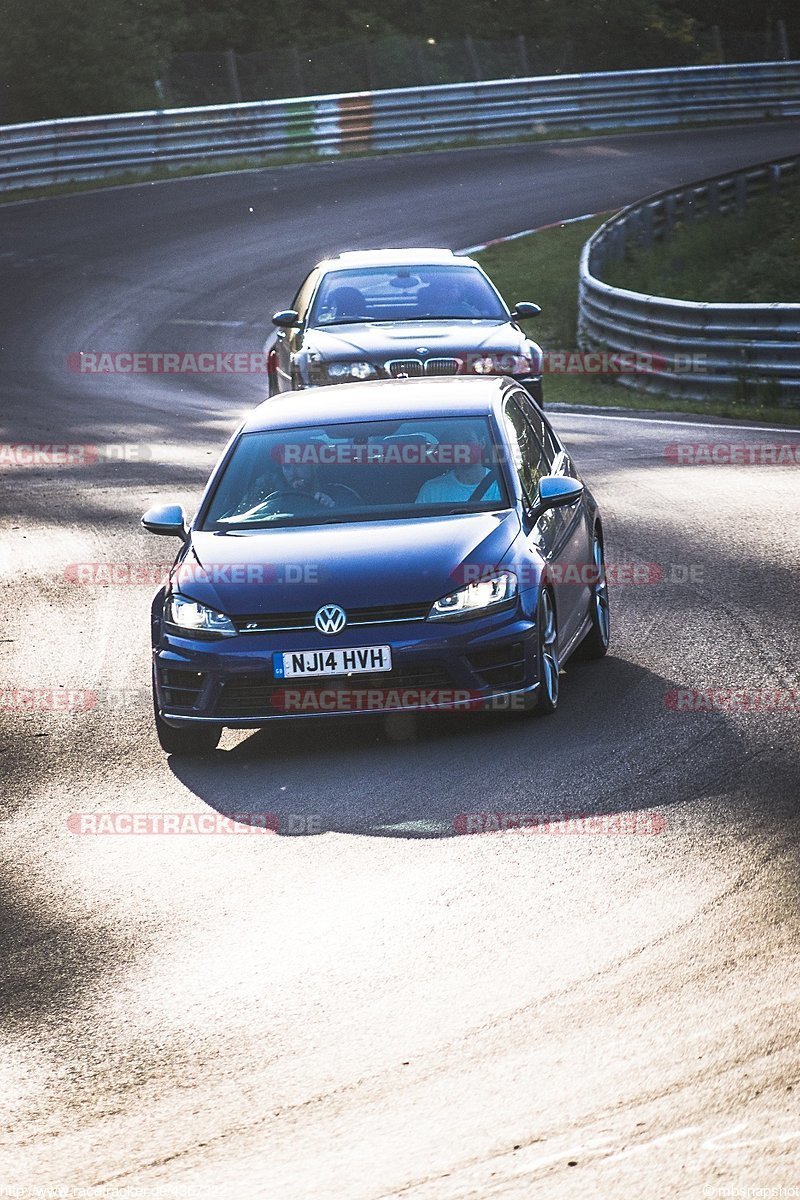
x=360, y=660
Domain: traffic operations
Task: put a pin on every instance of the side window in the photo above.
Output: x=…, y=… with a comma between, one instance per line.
x=529, y=458
x=543, y=431
x=303, y=297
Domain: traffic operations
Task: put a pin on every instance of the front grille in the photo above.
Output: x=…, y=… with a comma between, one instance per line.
x=263, y=695
x=414, y=367
x=180, y=688
x=502, y=666
x=442, y=366
x=386, y=614
x=411, y=367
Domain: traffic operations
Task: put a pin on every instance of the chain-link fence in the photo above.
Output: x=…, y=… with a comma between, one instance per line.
x=356, y=66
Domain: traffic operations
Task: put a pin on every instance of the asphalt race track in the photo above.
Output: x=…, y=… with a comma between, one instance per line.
x=371, y=1003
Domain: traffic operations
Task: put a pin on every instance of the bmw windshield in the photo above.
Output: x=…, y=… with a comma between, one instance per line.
x=365, y=471
x=405, y=293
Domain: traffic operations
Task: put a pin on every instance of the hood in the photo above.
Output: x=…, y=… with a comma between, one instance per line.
x=379, y=342
x=359, y=565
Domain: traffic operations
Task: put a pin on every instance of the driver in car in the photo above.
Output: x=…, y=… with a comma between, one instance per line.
x=304, y=477
x=462, y=481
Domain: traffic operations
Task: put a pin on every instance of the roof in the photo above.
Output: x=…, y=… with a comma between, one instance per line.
x=389, y=399
x=415, y=256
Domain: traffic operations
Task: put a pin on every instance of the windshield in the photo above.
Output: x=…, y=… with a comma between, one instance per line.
x=366, y=471
x=405, y=294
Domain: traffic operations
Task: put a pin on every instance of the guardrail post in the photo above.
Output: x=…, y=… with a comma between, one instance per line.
x=774, y=179
x=668, y=227
x=741, y=194
x=712, y=199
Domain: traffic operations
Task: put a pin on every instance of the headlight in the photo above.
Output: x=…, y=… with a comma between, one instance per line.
x=342, y=372
x=503, y=362
x=196, y=618
x=476, y=597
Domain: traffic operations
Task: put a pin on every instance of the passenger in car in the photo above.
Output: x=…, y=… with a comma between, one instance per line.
x=465, y=479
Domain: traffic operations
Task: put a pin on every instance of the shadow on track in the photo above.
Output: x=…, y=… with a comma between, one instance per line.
x=407, y=776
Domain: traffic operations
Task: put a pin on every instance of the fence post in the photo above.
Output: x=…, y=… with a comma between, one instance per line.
x=783, y=40
x=422, y=66
x=472, y=55
x=716, y=38
x=369, y=64
x=298, y=71
x=522, y=50
x=232, y=71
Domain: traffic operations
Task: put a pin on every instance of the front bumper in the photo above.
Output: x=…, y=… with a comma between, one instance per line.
x=488, y=662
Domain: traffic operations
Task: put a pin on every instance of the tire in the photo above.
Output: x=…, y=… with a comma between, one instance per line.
x=595, y=644
x=194, y=740
x=546, y=699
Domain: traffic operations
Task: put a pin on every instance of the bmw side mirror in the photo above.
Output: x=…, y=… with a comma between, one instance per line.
x=524, y=310
x=556, y=491
x=287, y=318
x=168, y=519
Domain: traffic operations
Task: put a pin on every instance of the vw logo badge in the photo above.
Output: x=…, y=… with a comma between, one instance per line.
x=331, y=618
x=421, y=350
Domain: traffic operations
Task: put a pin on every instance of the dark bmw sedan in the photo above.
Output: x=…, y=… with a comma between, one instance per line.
x=441, y=555
x=400, y=314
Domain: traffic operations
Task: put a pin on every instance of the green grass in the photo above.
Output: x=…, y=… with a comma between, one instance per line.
x=753, y=259
x=543, y=267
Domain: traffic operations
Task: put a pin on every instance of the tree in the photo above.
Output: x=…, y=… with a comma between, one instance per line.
x=83, y=58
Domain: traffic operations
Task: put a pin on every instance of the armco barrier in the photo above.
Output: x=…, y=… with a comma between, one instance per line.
x=706, y=351
x=83, y=148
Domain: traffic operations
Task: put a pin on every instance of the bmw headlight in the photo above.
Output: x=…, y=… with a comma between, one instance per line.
x=347, y=371
x=476, y=597
x=192, y=617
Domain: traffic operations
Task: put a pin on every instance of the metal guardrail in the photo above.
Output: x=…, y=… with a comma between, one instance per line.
x=84, y=148
x=696, y=351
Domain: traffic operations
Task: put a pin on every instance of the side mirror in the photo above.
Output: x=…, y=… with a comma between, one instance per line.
x=556, y=491
x=287, y=318
x=167, y=519
x=524, y=310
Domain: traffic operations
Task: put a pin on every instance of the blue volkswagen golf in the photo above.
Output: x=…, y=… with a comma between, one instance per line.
x=418, y=545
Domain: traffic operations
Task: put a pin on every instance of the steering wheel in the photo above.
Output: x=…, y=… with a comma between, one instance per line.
x=346, y=493
x=308, y=502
